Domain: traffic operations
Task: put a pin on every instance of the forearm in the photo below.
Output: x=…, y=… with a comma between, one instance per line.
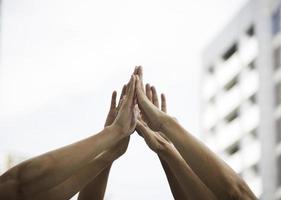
x=175, y=187
x=46, y=171
x=191, y=185
x=214, y=172
x=96, y=188
x=79, y=180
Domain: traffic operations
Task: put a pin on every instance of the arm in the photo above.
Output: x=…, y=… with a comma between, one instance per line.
x=215, y=173
x=48, y=170
x=151, y=94
x=85, y=175
x=191, y=186
x=96, y=188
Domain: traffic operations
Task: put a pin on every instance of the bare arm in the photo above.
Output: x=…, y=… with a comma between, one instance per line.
x=96, y=188
x=151, y=94
x=80, y=179
x=215, y=173
x=190, y=184
x=48, y=170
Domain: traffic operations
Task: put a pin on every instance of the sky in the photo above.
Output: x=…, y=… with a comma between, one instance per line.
x=61, y=60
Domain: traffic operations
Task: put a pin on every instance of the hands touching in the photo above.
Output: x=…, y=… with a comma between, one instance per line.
x=126, y=118
x=155, y=140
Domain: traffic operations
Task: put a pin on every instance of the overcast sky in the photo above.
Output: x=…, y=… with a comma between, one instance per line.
x=61, y=59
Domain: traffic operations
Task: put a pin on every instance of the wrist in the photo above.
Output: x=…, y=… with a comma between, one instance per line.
x=116, y=129
x=164, y=150
x=165, y=122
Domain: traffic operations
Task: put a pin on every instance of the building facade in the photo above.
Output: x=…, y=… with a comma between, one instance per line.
x=241, y=96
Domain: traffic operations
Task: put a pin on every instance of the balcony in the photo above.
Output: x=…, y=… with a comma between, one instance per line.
x=229, y=134
x=235, y=162
x=249, y=83
x=251, y=154
x=228, y=101
x=250, y=118
x=209, y=88
x=228, y=69
x=248, y=50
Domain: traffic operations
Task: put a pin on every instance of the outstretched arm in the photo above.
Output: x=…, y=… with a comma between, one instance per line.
x=190, y=185
x=96, y=188
x=84, y=176
x=151, y=94
x=48, y=170
x=215, y=173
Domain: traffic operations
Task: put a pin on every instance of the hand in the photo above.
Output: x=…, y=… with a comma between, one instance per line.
x=126, y=119
x=121, y=147
x=155, y=140
x=153, y=116
x=113, y=111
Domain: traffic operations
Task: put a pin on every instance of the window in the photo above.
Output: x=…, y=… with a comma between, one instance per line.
x=233, y=148
x=212, y=100
x=277, y=57
x=232, y=116
x=276, y=22
x=251, y=31
x=253, y=99
x=254, y=133
x=278, y=93
x=211, y=69
x=255, y=168
x=232, y=50
x=231, y=84
x=278, y=130
x=279, y=171
x=252, y=65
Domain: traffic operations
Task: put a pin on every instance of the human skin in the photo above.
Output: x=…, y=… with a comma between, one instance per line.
x=43, y=173
x=151, y=94
x=96, y=188
x=213, y=172
x=183, y=182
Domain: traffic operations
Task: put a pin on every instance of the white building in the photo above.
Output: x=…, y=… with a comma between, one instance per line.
x=241, y=96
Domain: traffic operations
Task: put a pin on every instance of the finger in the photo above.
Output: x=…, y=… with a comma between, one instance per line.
x=154, y=97
x=131, y=90
x=163, y=103
x=148, y=92
x=123, y=94
x=113, y=100
x=140, y=72
x=141, y=129
x=136, y=70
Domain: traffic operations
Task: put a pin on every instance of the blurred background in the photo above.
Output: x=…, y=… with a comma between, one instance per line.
x=217, y=61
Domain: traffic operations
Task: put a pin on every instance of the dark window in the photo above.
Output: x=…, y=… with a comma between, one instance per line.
x=230, y=52
x=276, y=22
x=255, y=168
x=251, y=31
x=232, y=116
x=252, y=65
x=212, y=100
x=253, y=99
x=233, y=148
x=279, y=171
x=254, y=133
x=213, y=130
x=277, y=57
x=211, y=69
x=278, y=130
x=278, y=93
x=231, y=84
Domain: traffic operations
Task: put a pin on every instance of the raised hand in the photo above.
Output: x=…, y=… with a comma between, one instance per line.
x=155, y=140
x=121, y=147
x=126, y=119
x=147, y=104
